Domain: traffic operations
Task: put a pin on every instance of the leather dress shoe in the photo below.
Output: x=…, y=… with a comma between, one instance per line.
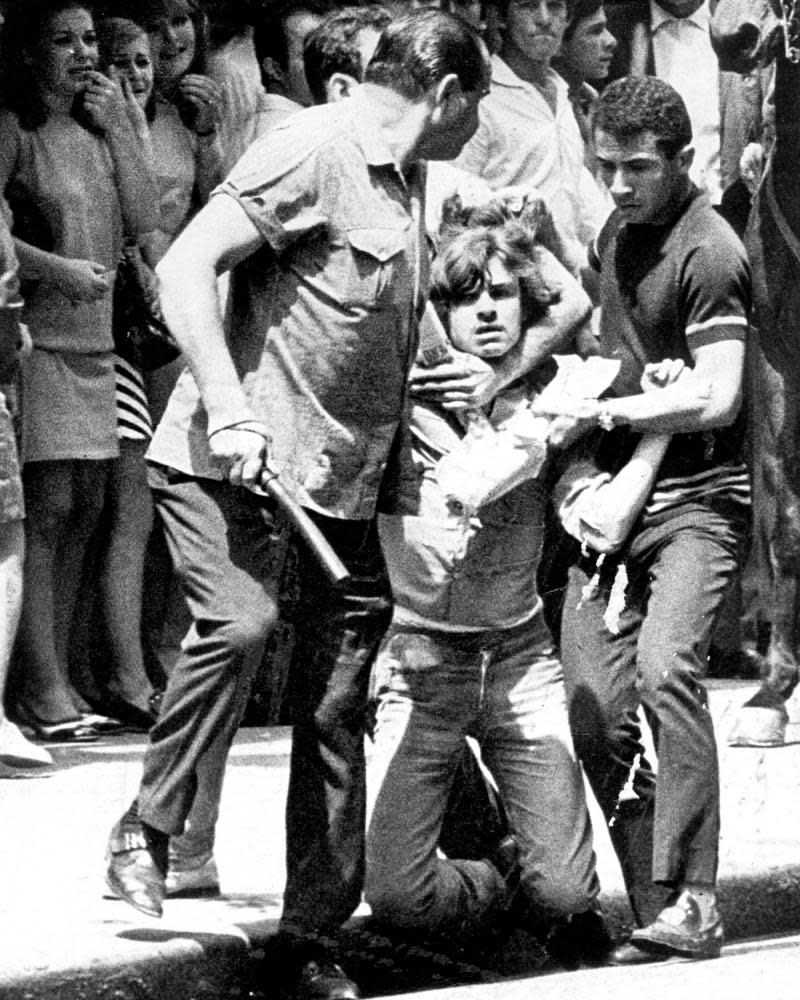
x=322, y=979
x=137, y=865
x=679, y=930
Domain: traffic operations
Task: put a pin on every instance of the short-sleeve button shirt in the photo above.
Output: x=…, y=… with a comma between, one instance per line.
x=321, y=321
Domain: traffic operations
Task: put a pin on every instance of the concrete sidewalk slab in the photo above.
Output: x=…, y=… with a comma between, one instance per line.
x=62, y=940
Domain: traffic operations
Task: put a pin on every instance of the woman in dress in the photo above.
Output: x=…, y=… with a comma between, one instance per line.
x=76, y=175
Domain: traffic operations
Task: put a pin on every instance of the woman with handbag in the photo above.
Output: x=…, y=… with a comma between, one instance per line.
x=74, y=170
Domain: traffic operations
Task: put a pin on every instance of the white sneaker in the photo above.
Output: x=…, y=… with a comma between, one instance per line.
x=17, y=751
x=185, y=879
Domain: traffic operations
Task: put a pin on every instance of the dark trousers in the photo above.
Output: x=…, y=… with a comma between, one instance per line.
x=228, y=555
x=679, y=569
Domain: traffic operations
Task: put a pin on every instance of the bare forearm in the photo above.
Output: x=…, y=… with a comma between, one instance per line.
x=191, y=307
x=599, y=510
x=692, y=405
x=38, y=265
x=620, y=501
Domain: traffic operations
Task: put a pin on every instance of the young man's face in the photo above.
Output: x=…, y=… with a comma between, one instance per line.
x=590, y=48
x=489, y=324
x=643, y=181
x=534, y=28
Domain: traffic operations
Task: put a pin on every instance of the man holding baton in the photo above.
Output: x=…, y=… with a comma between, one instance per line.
x=321, y=223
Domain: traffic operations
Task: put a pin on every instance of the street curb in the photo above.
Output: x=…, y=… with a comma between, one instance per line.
x=171, y=965
x=60, y=941
x=153, y=964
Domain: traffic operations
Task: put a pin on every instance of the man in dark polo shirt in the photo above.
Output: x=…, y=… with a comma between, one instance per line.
x=322, y=224
x=675, y=290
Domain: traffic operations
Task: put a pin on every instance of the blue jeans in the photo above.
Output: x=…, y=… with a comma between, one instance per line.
x=506, y=690
x=679, y=568
x=228, y=556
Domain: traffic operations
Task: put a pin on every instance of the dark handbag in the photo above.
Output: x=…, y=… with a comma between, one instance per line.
x=141, y=337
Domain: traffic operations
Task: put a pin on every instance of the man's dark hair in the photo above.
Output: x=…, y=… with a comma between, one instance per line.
x=420, y=48
x=637, y=104
x=333, y=46
x=580, y=10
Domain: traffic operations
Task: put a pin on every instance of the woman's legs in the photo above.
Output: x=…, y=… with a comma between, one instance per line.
x=130, y=512
x=63, y=501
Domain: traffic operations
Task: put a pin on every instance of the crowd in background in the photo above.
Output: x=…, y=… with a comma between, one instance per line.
x=198, y=82
x=118, y=119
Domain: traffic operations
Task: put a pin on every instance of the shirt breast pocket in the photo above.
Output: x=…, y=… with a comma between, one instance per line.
x=378, y=271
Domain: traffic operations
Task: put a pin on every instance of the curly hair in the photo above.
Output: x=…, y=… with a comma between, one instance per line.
x=460, y=267
x=637, y=104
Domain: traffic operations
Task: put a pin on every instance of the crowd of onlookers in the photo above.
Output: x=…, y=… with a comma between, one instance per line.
x=190, y=86
x=118, y=120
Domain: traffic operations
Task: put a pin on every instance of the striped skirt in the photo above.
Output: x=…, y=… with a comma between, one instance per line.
x=133, y=412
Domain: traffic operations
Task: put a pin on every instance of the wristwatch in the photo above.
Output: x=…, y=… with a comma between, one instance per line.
x=605, y=418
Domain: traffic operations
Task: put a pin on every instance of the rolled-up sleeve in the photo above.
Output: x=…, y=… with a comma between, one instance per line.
x=276, y=183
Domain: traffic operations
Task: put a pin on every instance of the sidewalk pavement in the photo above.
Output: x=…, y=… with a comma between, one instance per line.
x=60, y=938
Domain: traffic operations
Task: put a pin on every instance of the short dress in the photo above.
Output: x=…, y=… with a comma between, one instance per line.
x=63, y=195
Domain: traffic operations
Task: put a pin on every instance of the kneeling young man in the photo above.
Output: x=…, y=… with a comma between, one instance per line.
x=469, y=653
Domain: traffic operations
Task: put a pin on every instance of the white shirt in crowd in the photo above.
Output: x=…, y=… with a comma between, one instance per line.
x=683, y=56
x=521, y=140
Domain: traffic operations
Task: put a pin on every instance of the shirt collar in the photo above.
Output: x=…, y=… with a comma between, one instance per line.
x=370, y=137
x=375, y=147
x=504, y=76
x=673, y=215
x=658, y=16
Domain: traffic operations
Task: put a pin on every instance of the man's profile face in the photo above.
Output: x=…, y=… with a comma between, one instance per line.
x=643, y=181
x=535, y=28
x=590, y=48
x=489, y=323
x=458, y=118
